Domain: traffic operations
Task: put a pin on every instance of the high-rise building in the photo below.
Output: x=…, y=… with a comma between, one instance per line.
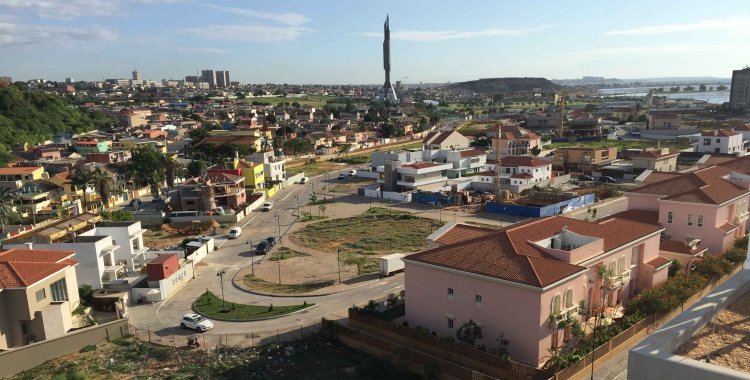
x=209, y=76
x=387, y=93
x=222, y=79
x=136, y=75
x=191, y=79
x=739, y=96
x=68, y=80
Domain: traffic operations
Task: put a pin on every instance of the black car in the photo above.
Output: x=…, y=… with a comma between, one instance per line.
x=272, y=240
x=263, y=247
x=585, y=177
x=606, y=179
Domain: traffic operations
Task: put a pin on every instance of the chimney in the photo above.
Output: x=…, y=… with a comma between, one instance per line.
x=29, y=245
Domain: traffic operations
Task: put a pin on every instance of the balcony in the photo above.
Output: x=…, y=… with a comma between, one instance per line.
x=618, y=280
x=741, y=218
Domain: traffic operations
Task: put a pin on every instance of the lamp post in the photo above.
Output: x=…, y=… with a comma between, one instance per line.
x=281, y=257
x=221, y=273
x=252, y=258
x=297, y=198
x=338, y=258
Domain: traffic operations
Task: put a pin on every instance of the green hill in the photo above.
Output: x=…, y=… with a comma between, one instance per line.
x=506, y=85
x=35, y=116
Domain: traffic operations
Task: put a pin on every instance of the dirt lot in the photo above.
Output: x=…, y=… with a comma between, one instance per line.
x=726, y=340
x=157, y=239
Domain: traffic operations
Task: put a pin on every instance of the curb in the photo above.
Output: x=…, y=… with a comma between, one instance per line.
x=192, y=307
x=234, y=283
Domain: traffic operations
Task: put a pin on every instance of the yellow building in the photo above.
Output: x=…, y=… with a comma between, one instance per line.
x=21, y=173
x=253, y=173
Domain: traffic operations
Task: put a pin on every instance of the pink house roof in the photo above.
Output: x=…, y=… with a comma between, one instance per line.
x=700, y=186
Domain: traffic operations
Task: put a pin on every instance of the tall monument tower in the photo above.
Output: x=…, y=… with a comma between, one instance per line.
x=387, y=93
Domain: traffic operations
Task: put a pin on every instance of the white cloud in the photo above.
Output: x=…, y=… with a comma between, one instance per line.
x=64, y=9
x=730, y=24
x=247, y=33
x=199, y=50
x=15, y=34
x=432, y=36
x=288, y=18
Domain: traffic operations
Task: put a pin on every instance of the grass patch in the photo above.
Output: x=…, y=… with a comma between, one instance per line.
x=210, y=305
x=256, y=283
x=312, y=169
x=286, y=253
x=377, y=231
x=308, y=217
x=622, y=144
x=80, y=310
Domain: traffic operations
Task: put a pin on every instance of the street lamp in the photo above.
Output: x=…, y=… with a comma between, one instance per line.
x=221, y=273
x=297, y=198
x=252, y=259
x=338, y=258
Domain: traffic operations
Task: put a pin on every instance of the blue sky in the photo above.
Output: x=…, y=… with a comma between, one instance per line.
x=339, y=41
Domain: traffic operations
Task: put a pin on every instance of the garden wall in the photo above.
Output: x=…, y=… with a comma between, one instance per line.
x=538, y=212
x=27, y=357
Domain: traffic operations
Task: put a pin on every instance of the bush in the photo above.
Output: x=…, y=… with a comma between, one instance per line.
x=666, y=296
x=86, y=294
x=88, y=348
x=713, y=266
x=469, y=332
x=674, y=267
x=736, y=255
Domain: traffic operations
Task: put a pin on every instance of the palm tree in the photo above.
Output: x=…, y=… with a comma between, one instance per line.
x=82, y=179
x=172, y=169
x=103, y=184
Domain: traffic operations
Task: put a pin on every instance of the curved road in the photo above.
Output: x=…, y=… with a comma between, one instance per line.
x=163, y=318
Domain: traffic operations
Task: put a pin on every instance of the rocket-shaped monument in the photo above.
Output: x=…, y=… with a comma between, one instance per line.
x=387, y=93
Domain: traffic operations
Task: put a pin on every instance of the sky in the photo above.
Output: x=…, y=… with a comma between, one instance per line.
x=339, y=41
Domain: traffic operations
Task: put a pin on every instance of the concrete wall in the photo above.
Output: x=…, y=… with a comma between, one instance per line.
x=392, y=195
x=170, y=285
x=23, y=358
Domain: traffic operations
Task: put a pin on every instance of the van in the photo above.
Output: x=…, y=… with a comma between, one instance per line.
x=235, y=232
x=267, y=206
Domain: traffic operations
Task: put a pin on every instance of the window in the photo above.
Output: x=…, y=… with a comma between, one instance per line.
x=40, y=295
x=569, y=298
x=478, y=300
x=450, y=293
x=59, y=291
x=613, y=267
x=718, y=141
x=635, y=256
x=136, y=244
x=690, y=219
x=706, y=141
x=700, y=220
x=556, y=305
x=670, y=216
x=450, y=323
x=621, y=265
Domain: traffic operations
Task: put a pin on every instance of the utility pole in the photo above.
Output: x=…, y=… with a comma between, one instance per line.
x=497, y=163
x=338, y=258
x=252, y=257
x=221, y=273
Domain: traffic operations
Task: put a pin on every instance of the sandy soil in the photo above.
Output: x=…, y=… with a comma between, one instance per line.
x=727, y=342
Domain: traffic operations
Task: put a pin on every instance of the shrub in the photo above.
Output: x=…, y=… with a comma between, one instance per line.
x=666, y=296
x=674, y=267
x=741, y=243
x=405, y=324
x=469, y=332
x=736, y=255
x=270, y=307
x=85, y=293
x=88, y=348
x=420, y=329
x=713, y=266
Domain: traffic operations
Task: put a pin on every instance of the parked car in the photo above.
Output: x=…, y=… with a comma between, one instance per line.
x=263, y=247
x=195, y=322
x=343, y=176
x=585, y=177
x=157, y=199
x=235, y=232
x=606, y=179
x=352, y=173
x=267, y=206
x=272, y=240
x=304, y=180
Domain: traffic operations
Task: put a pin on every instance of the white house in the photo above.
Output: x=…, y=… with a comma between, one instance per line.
x=422, y=175
x=720, y=141
x=128, y=237
x=274, y=167
x=517, y=173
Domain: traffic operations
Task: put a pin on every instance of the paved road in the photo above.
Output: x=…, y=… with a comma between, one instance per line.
x=234, y=255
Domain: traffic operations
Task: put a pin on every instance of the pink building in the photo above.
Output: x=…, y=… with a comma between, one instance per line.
x=513, y=140
x=520, y=280
x=709, y=204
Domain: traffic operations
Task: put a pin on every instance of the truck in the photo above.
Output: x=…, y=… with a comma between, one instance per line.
x=390, y=264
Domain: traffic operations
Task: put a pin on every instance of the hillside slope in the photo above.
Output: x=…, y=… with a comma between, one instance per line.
x=505, y=85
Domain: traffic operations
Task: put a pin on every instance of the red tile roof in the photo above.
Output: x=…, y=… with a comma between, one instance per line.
x=421, y=165
x=463, y=232
x=643, y=216
x=522, y=175
x=727, y=228
x=720, y=133
x=677, y=246
x=437, y=137
x=654, y=154
x=659, y=262
x=700, y=186
x=19, y=169
x=523, y=161
x=508, y=254
x=20, y=268
x=472, y=152
x=660, y=176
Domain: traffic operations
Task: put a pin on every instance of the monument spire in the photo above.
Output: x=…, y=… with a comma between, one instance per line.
x=387, y=93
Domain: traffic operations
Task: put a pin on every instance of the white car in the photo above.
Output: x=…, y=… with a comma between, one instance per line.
x=304, y=180
x=352, y=173
x=195, y=322
x=267, y=206
x=235, y=232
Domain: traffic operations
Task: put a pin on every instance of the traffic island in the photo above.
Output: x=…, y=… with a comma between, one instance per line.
x=211, y=306
x=255, y=284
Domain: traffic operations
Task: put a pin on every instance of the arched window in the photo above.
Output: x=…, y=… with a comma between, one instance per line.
x=622, y=264
x=569, y=298
x=612, y=267
x=556, y=304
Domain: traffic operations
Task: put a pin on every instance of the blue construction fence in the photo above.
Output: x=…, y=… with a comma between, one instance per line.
x=538, y=212
x=434, y=199
x=577, y=138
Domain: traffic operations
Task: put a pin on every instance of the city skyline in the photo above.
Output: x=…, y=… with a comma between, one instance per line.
x=296, y=42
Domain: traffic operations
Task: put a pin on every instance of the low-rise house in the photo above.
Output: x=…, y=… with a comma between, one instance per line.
x=518, y=173
x=583, y=159
x=685, y=253
x=708, y=204
x=721, y=141
x=445, y=141
x=83, y=147
x=664, y=120
x=132, y=118
x=520, y=282
x=464, y=161
x=109, y=157
x=255, y=177
x=660, y=160
x=274, y=167
x=38, y=293
x=513, y=140
x=211, y=190
x=14, y=177
x=422, y=176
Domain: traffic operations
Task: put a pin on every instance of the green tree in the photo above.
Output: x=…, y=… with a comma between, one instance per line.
x=81, y=179
x=535, y=150
x=469, y=332
x=172, y=169
x=196, y=167
x=103, y=184
x=146, y=167
x=7, y=215
x=297, y=146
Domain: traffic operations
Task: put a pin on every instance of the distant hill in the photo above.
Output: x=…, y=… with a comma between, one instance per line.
x=35, y=116
x=505, y=85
